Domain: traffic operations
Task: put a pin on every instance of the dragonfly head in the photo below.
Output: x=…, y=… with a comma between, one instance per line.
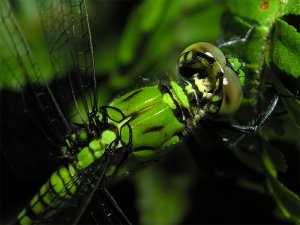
x=206, y=66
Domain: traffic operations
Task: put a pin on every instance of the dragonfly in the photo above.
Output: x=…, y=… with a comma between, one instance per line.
x=112, y=141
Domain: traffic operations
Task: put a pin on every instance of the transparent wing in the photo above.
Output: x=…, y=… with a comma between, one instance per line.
x=18, y=64
x=90, y=194
x=66, y=27
x=104, y=209
x=20, y=73
x=65, y=24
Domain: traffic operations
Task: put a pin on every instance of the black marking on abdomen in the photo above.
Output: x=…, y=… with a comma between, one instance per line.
x=41, y=197
x=91, y=151
x=132, y=95
x=54, y=193
x=66, y=188
x=153, y=129
x=30, y=213
x=51, y=189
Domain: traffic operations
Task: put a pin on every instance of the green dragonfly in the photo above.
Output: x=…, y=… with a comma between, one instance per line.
x=110, y=142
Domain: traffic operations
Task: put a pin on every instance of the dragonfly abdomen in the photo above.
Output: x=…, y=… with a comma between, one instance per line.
x=59, y=188
x=58, y=192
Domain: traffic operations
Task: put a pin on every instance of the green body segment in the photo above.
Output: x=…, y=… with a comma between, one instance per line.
x=141, y=126
x=61, y=184
x=137, y=100
x=146, y=123
x=151, y=121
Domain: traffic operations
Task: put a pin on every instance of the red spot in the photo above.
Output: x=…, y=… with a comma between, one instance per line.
x=264, y=5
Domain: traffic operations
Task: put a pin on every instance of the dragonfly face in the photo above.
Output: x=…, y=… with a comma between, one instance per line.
x=206, y=66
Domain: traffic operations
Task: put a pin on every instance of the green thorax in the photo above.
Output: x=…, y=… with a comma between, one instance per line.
x=144, y=123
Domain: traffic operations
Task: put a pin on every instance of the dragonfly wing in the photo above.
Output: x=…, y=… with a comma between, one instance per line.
x=66, y=28
x=104, y=209
x=20, y=72
x=68, y=37
x=19, y=64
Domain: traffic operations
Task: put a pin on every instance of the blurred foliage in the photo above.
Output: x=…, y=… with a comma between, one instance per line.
x=138, y=43
x=152, y=36
x=271, y=54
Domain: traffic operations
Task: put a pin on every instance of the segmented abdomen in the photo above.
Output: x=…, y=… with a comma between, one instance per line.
x=56, y=193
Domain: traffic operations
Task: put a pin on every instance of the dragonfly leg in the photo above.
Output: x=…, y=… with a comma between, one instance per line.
x=252, y=129
x=238, y=40
x=261, y=119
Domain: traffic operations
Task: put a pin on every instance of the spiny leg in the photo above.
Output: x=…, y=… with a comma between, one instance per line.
x=238, y=40
x=252, y=129
x=267, y=113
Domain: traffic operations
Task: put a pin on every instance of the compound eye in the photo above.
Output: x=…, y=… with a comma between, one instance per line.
x=200, y=58
x=194, y=62
x=232, y=93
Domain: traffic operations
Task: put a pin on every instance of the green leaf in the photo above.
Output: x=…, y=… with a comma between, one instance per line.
x=151, y=13
x=130, y=39
x=250, y=185
x=250, y=159
x=286, y=48
x=275, y=156
x=283, y=130
x=213, y=12
x=144, y=21
x=269, y=164
x=262, y=12
x=162, y=198
x=291, y=104
x=287, y=201
x=291, y=7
